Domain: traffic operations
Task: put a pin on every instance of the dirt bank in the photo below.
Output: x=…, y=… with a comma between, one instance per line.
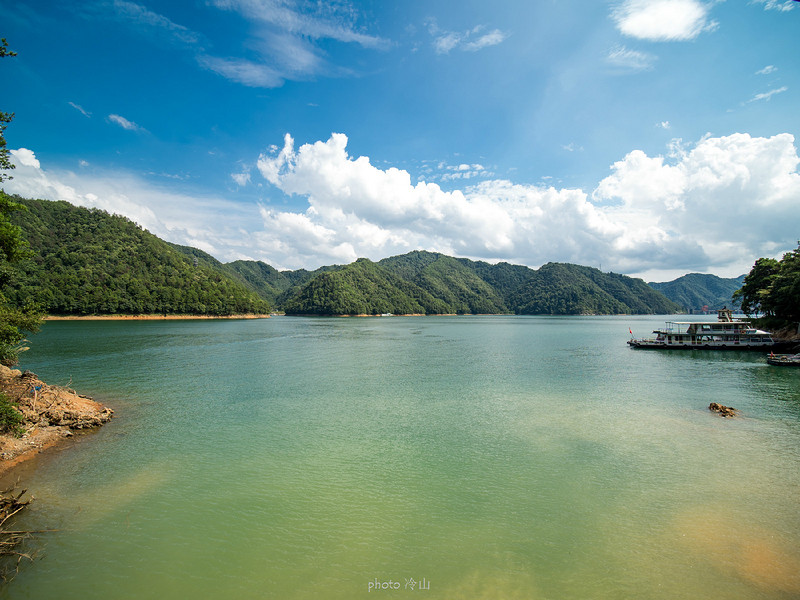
x=51, y=415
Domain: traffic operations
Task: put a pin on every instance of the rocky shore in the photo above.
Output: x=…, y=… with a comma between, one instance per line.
x=50, y=415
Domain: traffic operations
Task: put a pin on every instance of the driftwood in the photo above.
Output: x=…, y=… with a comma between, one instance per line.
x=11, y=503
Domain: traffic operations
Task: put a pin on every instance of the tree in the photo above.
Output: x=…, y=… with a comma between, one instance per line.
x=5, y=119
x=773, y=288
x=14, y=321
x=755, y=292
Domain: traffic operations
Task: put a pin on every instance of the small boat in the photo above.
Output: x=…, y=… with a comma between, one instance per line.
x=726, y=333
x=784, y=360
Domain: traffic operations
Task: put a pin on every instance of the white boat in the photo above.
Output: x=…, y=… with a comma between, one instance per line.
x=726, y=333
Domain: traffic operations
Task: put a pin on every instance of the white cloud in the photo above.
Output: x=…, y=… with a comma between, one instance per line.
x=80, y=109
x=471, y=40
x=330, y=20
x=141, y=16
x=284, y=44
x=646, y=215
x=784, y=6
x=664, y=125
x=733, y=196
x=225, y=227
x=630, y=60
x=493, y=38
x=124, y=123
x=768, y=95
x=767, y=70
x=243, y=71
x=241, y=179
x=25, y=158
x=663, y=20
x=713, y=206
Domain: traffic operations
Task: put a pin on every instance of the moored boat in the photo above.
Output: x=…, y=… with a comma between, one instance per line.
x=726, y=333
x=784, y=360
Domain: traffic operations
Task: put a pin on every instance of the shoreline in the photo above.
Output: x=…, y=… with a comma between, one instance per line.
x=148, y=317
x=51, y=415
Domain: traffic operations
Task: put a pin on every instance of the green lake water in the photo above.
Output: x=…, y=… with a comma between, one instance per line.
x=437, y=457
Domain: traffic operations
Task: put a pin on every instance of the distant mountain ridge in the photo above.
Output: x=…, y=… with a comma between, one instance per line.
x=432, y=283
x=696, y=290
x=90, y=262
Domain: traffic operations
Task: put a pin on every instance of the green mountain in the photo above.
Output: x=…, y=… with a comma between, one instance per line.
x=565, y=289
x=451, y=280
x=362, y=288
x=695, y=290
x=87, y=261
x=431, y=283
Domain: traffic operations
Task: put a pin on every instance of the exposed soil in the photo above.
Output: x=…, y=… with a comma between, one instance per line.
x=51, y=414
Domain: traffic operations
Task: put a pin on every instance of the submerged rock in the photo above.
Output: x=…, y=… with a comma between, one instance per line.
x=724, y=411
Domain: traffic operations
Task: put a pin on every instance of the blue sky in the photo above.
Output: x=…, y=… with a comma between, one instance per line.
x=647, y=137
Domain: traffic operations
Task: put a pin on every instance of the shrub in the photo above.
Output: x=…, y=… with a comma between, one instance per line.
x=10, y=418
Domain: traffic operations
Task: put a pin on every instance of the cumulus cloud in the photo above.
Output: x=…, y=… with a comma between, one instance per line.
x=735, y=196
x=26, y=158
x=711, y=206
x=663, y=20
x=650, y=213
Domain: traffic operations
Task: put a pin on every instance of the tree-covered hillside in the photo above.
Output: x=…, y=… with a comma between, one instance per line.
x=431, y=283
x=448, y=279
x=696, y=290
x=566, y=289
x=362, y=288
x=87, y=261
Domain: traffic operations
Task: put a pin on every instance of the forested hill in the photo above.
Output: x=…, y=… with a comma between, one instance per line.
x=695, y=290
x=89, y=262
x=431, y=283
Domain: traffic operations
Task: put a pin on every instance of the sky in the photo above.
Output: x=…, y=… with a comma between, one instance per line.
x=652, y=138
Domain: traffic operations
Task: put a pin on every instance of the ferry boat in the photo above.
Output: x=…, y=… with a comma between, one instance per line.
x=726, y=333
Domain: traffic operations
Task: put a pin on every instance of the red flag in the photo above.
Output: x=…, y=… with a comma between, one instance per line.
x=629, y=329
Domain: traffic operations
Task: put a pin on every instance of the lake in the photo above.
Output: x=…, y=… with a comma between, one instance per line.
x=498, y=457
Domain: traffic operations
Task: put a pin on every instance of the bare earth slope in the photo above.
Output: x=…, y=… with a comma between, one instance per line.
x=51, y=414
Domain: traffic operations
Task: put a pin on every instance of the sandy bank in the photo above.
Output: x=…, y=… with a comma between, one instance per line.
x=51, y=415
x=147, y=317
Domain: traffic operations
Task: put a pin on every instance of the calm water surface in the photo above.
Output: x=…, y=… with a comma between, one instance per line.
x=447, y=457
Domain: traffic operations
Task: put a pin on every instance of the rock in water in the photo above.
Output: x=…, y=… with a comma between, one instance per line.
x=724, y=411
